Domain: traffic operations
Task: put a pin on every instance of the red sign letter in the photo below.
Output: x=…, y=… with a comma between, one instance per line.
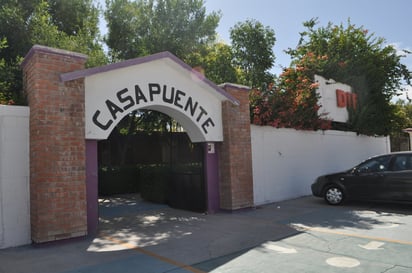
x=340, y=98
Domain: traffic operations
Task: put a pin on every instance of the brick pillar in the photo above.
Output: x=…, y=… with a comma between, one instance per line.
x=57, y=144
x=235, y=159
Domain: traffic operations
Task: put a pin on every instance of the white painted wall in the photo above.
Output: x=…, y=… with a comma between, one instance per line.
x=14, y=176
x=286, y=162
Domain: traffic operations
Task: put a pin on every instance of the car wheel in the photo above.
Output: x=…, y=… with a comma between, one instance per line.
x=334, y=195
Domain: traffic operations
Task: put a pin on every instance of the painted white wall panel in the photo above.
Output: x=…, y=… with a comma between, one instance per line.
x=286, y=162
x=14, y=176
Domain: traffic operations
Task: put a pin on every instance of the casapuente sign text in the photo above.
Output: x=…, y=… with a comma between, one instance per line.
x=142, y=96
x=160, y=82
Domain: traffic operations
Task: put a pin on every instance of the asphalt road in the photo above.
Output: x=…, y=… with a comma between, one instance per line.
x=357, y=237
x=301, y=235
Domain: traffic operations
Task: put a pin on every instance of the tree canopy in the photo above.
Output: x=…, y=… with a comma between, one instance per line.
x=143, y=27
x=216, y=62
x=291, y=101
x=365, y=62
x=253, y=51
x=70, y=25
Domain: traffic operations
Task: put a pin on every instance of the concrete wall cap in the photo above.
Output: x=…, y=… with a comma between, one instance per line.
x=51, y=50
x=234, y=85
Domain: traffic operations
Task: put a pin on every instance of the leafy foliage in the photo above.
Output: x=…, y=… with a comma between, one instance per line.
x=147, y=120
x=215, y=61
x=402, y=120
x=403, y=115
x=362, y=61
x=252, y=49
x=291, y=102
x=68, y=24
x=6, y=78
x=143, y=27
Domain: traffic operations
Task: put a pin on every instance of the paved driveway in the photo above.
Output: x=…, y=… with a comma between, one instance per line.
x=301, y=235
x=357, y=237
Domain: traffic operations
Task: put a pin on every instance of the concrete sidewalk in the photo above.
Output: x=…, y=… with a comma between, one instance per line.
x=136, y=236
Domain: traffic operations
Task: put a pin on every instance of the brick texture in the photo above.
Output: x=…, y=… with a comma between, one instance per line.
x=57, y=145
x=235, y=158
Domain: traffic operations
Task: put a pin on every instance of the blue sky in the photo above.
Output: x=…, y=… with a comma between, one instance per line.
x=391, y=20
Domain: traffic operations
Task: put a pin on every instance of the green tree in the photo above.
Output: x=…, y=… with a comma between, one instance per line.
x=75, y=16
x=402, y=120
x=403, y=114
x=139, y=28
x=66, y=24
x=13, y=27
x=76, y=30
x=70, y=24
x=216, y=62
x=252, y=45
x=291, y=101
x=6, y=77
x=365, y=62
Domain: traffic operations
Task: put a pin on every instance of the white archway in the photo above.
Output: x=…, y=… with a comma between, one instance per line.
x=56, y=84
x=158, y=82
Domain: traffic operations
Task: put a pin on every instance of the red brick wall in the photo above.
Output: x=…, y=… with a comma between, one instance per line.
x=235, y=158
x=57, y=145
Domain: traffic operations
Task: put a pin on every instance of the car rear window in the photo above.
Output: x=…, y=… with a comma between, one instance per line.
x=402, y=163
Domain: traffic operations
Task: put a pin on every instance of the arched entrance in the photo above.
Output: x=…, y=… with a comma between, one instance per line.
x=158, y=82
x=71, y=108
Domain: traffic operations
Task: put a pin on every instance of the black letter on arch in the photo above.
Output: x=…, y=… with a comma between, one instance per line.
x=192, y=107
x=113, y=108
x=178, y=98
x=100, y=125
x=122, y=99
x=154, y=88
x=139, y=94
x=209, y=122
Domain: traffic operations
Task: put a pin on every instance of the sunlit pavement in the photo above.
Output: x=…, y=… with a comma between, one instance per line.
x=302, y=235
x=353, y=238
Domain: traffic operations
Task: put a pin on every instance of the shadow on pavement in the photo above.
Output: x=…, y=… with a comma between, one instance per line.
x=356, y=215
x=138, y=236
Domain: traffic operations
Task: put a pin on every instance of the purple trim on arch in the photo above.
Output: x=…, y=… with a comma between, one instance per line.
x=96, y=70
x=91, y=187
x=212, y=179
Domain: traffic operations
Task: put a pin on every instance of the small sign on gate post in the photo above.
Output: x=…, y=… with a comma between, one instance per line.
x=210, y=148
